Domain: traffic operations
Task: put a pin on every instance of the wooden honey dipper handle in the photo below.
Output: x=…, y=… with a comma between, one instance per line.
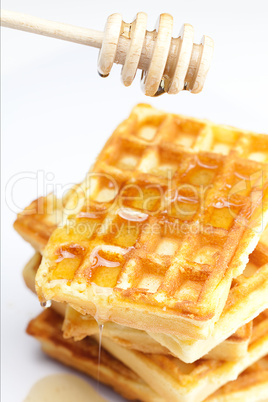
x=168, y=64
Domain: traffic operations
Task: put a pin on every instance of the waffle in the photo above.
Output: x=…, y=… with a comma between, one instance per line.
x=38, y=221
x=78, y=327
x=181, y=382
x=246, y=300
x=84, y=355
x=161, y=225
x=252, y=384
x=232, y=349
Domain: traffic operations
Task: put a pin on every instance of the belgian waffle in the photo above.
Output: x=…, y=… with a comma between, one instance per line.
x=248, y=297
x=78, y=327
x=251, y=385
x=161, y=225
x=245, y=300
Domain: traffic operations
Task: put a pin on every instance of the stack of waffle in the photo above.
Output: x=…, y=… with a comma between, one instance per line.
x=162, y=250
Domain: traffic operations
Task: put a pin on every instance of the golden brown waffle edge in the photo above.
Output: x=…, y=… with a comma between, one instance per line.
x=81, y=355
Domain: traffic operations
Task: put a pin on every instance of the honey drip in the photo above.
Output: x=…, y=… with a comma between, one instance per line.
x=46, y=303
x=163, y=86
x=99, y=356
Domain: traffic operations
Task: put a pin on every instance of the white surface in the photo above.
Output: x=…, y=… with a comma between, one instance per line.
x=57, y=113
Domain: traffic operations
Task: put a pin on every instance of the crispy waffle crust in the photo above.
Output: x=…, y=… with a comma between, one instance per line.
x=157, y=231
x=252, y=384
x=194, y=382
x=84, y=355
x=78, y=327
x=38, y=221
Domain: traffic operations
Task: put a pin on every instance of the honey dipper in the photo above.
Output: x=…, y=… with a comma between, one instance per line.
x=168, y=64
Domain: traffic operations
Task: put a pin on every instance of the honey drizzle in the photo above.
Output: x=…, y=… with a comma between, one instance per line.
x=101, y=325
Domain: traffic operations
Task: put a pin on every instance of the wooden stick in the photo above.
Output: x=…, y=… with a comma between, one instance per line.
x=168, y=64
x=58, y=30
x=70, y=33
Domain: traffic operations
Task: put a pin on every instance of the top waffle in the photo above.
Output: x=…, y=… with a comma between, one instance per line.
x=246, y=299
x=158, y=229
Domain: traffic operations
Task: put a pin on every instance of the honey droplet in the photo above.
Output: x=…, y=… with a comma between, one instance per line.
x=46, y=304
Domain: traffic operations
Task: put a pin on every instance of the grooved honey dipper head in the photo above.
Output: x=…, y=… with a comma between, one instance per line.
x=168, y=64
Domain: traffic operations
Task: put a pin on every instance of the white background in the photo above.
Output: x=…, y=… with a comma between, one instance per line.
x=57, y=113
